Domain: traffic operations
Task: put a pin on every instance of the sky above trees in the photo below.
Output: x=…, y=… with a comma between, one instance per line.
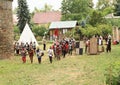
x=56, y=4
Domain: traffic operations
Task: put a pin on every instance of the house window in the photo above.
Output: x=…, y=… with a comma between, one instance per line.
x=64, y=31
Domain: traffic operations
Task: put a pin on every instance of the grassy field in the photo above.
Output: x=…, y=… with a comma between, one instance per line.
x=72, y=70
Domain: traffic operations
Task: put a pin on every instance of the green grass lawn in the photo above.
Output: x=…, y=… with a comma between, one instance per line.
x=72, y=70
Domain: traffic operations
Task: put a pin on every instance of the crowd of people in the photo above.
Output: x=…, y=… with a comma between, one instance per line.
x=100, y=43
x=63, y=47
x=25, y=48
x=57, y=50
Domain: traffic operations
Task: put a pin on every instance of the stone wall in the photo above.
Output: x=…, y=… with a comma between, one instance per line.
x=6, y=29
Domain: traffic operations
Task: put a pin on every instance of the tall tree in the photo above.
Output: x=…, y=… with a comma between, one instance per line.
x=36, y=10
x=23, y=14
x=106, y=6
x=73, y=9
x=117, y=8
x=102, y=4
x=47, y=8
x=96, y=18
x=44, y=9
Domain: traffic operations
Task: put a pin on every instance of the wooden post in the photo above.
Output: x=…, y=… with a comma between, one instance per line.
x=93, y=46
x=116, y=34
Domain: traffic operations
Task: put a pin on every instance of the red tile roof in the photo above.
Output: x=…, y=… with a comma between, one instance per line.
x=46, y=17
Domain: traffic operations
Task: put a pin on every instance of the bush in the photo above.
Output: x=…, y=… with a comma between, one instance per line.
x=101, y=29
x=113, y=74
x=77, y=37
x=39, y=30
x=39, y=38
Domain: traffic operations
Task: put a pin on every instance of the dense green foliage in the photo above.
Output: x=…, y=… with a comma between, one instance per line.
x=73, y=9
x=96, y=18
x=103, y=4
x=39, y=30
x=89, y=31
x=16, y=33
x=92, y=21
x=102, y=29
x=117, y=8
x=23, y=14
x=113, y=74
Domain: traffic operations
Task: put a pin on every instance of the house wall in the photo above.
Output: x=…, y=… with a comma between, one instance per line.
x=61, y=33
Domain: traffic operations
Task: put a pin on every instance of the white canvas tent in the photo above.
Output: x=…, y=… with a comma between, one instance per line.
x=27, y=35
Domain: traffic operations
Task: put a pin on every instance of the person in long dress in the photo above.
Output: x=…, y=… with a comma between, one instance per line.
x=31, y=54
x=23, y=54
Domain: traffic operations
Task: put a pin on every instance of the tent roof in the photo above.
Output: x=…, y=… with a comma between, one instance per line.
x=27, y=35
x=63, y=24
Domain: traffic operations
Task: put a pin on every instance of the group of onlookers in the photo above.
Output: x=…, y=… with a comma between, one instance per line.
x=24, y=49
x=58, y=49
x=63, y=47
x=100, y=43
